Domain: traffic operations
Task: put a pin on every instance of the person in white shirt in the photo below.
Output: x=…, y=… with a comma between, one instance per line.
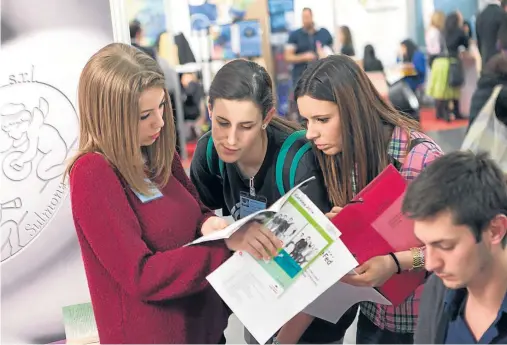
x=434, y=38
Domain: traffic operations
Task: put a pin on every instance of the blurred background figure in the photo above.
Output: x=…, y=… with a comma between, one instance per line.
x=487, y=26
x=370, y=61
x=302, y=45
x=346, y=42
x=446, y=70
x=414, y=59
x=136, y=33
x=434, y=36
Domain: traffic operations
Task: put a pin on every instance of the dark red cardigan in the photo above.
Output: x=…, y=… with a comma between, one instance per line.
x=145, y=287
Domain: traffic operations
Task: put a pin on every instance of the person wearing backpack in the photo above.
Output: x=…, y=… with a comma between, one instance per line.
x=252, y=157
x=355, y=136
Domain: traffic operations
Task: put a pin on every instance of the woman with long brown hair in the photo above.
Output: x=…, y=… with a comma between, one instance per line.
x=134, y=209
x=345, y=39
x=253, y=157
x=355, y=136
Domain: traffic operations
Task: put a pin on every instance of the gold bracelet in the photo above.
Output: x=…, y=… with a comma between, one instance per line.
x=417, y=258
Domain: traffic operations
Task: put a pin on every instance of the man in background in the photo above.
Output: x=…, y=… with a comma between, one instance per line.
x=487, y=26
x=136, y=33
x=306, y=44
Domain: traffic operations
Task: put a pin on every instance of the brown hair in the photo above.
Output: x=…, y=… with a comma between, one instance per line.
x=367, y=122
x=347, y=35
x=247, y=80
x=438, y=20
x=108, y=96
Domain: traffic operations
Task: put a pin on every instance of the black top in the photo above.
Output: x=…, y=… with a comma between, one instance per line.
x=348, y=50
x=374, y=65
x=456, y=39
x=224, y=194
x=487, y=27
x=146, y=50
x=485, y=87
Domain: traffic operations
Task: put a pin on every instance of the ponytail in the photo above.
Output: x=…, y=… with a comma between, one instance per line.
x=285, y=125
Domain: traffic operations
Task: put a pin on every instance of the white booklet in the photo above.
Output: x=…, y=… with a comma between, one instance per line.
x=303, y=277
x=264, y=295
x=260, y=216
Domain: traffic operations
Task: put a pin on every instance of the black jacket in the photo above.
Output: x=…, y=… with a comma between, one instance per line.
x=431, y=312
x=487, y=26
x=485, y=87
x=185, y=54
x=435, y=316
x=146, y=50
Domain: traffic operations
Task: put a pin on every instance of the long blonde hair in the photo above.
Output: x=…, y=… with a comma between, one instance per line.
x=108, y=96
x=438, y=20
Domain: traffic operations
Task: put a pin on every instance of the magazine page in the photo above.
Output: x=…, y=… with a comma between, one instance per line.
x=264, y=295
x=259, y=216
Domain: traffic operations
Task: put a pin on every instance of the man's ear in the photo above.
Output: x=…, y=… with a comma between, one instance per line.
x=498, y=228
x=209, y=109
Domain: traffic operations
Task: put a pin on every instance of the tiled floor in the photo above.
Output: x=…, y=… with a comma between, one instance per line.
x=448, y=140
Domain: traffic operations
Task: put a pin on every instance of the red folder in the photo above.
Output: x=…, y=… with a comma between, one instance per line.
x=374, y=225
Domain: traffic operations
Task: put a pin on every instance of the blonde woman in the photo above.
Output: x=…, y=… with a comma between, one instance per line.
x=434, y=37
x=134, y=209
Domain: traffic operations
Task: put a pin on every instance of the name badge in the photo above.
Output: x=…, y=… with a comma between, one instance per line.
x=155, y=194
x=250, y=204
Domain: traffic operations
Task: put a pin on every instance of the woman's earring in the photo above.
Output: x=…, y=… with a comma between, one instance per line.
x=264, y=126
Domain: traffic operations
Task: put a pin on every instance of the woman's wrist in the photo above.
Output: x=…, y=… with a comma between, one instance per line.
x=203, y=220
x=410, y=259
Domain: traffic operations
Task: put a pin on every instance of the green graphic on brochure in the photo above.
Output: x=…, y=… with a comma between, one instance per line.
x=305, y=244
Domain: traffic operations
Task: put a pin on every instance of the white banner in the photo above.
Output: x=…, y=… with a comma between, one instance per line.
x=43, y=52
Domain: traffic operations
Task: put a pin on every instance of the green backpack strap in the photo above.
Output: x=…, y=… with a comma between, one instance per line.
x=209, y=158
x=282, y=156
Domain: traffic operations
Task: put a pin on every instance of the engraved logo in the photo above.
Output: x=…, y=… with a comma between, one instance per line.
x=38, y=131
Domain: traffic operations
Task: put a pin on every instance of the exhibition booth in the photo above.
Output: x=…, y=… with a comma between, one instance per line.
x=45, y=297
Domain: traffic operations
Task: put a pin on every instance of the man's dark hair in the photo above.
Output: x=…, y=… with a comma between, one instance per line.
x=311, y=12
x=471, y=186
x=135, y=28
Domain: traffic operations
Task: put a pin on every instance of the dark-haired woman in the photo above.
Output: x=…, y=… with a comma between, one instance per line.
x=240, y=157
x=370, y=61
x=347, y=44
x=411, y=55
x=356, y=135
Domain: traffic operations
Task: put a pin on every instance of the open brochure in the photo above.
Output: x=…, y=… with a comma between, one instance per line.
x=304, y=276
x=264, y=295
x=267, y=217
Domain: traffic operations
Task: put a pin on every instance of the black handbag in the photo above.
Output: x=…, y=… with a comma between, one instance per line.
x=456, y=77
x=456, y=74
